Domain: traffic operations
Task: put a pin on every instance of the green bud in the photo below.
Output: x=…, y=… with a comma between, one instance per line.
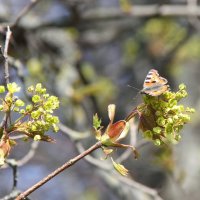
x=191, y=110
x=182, y=86
x=13, y=87
x=55, y=128
x=43, y=91
x=2, y=89
x=33, y=128
x=185, y=117
x=35, y=114
x=175, y=117
x=22, y=111
x=169, y=120
x=157, y=142
x=16, y=109
x=163, y=104
x=48, y=117
x=38, y=88
x=169, y=128
x=54, y=101
x=157, y=130
x=37, y=137
x=29, y=107
x=19, y=103
x=40, y=122
x=1, y=107
x=45, y=96
x=183, y=93
x=40, y=109
x=30, y=88
x=36, y=99
x=55, y=119
x=172, y=102
x=181, y=108
x=158, y=113
x=161, y=121
x=148, y=134
x=177, y=138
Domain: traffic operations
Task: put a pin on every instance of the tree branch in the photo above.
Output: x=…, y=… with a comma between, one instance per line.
x=58, y=170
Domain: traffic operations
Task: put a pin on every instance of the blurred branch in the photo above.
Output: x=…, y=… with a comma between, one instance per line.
x=23, y=12
x=139, y=186
x=5, y=54
x=6, y=70
x=13, y=164
x=142, y=11
x=29, y=155
x=109, y=13
x=108, y=167
x=74, y=135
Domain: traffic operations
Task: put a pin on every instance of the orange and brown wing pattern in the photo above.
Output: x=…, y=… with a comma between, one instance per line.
x=154, y=84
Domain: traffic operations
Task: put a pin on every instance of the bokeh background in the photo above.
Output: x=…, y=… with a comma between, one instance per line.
x=87, y=52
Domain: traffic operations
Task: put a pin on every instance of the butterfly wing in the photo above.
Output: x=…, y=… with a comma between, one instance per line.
x=154, y=84
x=153, y=78
x=157, y=91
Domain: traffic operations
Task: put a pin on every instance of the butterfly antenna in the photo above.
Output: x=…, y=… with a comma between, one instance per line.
x=137, y=92
x=133, y=87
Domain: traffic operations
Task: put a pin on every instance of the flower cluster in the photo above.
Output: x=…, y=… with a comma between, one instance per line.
x=162, y=117
x=35, y=118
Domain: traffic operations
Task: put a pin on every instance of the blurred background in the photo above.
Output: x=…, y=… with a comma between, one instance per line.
x=87, y=52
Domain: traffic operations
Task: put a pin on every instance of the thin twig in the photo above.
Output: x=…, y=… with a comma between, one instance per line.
x=58, y=170
x=24, y=11
x=74, y=135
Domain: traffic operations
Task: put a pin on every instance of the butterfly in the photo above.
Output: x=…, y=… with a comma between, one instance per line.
x=154, y=84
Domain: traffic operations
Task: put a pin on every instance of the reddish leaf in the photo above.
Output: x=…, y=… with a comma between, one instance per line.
x=116, y=129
